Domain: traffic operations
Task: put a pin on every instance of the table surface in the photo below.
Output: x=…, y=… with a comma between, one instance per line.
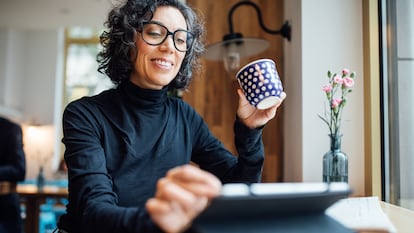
x=47, y=191
x=403, y=219
x=34, y=198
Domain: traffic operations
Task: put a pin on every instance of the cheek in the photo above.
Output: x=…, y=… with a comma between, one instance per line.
x=180, y=58
x=142, y=48
x=141, y=53
x=140, y=64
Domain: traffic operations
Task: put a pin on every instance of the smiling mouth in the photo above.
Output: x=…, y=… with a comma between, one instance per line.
x=163, y=63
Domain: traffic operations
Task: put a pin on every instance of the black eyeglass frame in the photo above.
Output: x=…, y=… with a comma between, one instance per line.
x=189, y=35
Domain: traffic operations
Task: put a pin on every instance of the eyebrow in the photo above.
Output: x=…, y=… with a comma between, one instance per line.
x=158, y=22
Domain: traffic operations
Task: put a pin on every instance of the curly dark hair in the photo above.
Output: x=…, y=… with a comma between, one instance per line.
x=119, y=40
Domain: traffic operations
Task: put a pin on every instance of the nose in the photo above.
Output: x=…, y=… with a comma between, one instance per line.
x=168, y=43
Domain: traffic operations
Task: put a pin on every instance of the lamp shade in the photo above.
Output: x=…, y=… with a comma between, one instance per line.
x=39, y=148
x=245, y=47
x=234, y=47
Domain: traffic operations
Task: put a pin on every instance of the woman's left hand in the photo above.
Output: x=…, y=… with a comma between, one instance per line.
x=253, y=117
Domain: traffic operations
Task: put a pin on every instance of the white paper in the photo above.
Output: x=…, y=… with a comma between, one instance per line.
x=361, y=214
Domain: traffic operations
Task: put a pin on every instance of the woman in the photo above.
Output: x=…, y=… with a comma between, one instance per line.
x=128, y=149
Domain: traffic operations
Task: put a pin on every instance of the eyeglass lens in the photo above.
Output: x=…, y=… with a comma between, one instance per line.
x=155, y=34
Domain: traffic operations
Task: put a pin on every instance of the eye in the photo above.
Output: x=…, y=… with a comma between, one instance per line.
x=154, y=31
x=180, y=37
x=179, y=41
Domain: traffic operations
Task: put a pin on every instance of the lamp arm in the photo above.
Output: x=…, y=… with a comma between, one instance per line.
x=285, y=30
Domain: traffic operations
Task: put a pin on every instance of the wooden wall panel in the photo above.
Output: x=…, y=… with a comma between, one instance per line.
x=213, y=92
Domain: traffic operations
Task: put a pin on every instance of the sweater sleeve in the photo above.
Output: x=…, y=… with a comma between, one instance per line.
x=93, y=204
x=210, y=154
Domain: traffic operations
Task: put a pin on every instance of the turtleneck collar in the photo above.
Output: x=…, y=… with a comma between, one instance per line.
x=143, y=97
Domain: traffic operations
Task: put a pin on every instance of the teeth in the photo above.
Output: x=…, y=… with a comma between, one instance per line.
x=163, y=63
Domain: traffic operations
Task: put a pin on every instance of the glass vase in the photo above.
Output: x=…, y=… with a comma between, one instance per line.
x=40, y=179
x=335, y=162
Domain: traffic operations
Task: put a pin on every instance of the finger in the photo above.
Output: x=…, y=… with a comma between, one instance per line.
x=169, y=191
x=199, y=189
x=195, y=180
x=180, y=199
x=242, y=98
x=168, y=216
x=157, y=206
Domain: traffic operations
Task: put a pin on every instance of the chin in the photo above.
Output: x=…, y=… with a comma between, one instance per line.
x=166, y=81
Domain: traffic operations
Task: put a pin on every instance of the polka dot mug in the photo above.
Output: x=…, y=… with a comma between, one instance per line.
x=260, y=83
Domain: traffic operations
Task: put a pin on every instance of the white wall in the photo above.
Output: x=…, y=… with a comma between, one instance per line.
x=12, y=65
x=29, y=60
x=40, y=74
x=41, y=14
x=327, y=34
x=293, y=85
x=31, y=84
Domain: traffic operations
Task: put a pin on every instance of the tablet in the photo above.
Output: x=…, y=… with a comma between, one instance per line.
x=239, y=201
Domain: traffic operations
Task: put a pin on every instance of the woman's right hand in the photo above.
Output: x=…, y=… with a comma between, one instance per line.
x=181, y=196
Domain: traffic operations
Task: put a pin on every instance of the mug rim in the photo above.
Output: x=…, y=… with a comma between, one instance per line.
x=253, y=62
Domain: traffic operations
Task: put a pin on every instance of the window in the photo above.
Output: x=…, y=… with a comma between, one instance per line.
x=397, y=58
x=81, y=75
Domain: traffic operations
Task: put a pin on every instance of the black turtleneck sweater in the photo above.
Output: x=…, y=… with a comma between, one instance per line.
x=120, y=142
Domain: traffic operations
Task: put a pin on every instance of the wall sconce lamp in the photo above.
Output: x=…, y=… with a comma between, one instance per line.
x=234, y=46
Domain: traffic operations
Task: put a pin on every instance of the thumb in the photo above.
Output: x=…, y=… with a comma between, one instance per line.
x=242, y=98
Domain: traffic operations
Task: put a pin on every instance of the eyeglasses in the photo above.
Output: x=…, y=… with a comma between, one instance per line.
x=154, y=33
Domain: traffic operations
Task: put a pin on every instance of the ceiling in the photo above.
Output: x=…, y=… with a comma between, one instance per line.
x=43, y=14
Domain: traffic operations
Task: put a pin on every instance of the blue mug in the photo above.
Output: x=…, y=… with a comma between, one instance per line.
x=260, y=83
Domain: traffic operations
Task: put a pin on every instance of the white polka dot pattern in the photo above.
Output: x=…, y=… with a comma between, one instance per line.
x=260, y=80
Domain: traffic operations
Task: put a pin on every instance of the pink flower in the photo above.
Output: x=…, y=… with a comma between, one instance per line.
x=345, y=72
x=338, y=79
x=348, y=82
x=327, y=88
x=337, y=90
x=336, y=102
